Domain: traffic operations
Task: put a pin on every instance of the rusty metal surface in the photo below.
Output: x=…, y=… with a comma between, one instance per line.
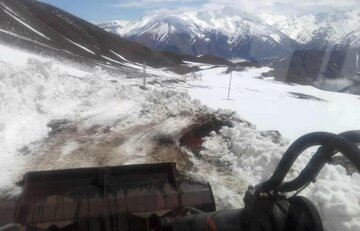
x=7, y=211
x=92, y=193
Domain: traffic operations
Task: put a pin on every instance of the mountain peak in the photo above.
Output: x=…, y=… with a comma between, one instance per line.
x=225, y=32
x=327, y=28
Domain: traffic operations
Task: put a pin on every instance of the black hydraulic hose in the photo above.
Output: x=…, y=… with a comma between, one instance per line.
x=316, y=163
x=333, y=141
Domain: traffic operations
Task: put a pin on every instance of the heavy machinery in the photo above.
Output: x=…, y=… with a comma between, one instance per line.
x=156, y=197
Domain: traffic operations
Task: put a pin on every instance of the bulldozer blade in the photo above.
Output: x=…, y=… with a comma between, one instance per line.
x=86, y=194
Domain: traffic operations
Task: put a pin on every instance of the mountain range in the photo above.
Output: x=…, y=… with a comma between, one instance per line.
x=311, y=30
x=312, y=48
x=226, y=33
x=317, y=29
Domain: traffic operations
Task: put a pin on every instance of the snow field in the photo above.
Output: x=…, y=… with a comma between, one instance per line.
x=272, y=105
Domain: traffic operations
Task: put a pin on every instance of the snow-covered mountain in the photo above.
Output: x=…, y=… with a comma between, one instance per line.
x=225, y=32
x=114, y=26
x=232, y=27
x=316, y=29
x=352, y=39
x=302, y=49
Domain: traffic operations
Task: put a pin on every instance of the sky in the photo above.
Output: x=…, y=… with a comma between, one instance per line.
x=107, y=10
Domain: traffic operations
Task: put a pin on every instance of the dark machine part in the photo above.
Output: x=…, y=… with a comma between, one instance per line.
x=261, y=213
x=109, y=198
x=154, y=197
x=345, y=143
x=323, y=155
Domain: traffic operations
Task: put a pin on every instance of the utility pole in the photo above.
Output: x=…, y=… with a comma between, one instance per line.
x=229, y=86
x=144, y=74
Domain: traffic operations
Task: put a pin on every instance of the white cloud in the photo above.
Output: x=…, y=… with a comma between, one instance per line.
x=288, y=6
x=152, y=3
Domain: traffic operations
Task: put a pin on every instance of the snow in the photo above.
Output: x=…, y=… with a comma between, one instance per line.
x=35, y=91
x=10, y=33
x=81, y=46
x=11, y=13
x=234, y=24
x=18, y=36
x=108, y=120
x=202, y=66
x=113, y=26
x=120, y=56
x=331, y=26
x=15, y=57
x=20, y=58
x=149, y=70
x=274, y=105
x=114, y=23
x=110, y=59
x=32, y=96
x=8, y=9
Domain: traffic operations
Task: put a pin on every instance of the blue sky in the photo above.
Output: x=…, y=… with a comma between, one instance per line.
x=106, y=10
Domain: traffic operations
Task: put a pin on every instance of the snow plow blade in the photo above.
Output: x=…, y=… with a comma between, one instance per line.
x=106, y=196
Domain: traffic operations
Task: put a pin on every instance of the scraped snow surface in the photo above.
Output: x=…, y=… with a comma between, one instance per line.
x=52, y=117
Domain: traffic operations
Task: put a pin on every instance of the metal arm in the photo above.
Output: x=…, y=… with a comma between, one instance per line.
x=327, y=140
x=317, y=162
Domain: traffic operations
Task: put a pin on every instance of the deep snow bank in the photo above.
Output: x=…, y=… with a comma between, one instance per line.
x=30, y=97
x=34, y=96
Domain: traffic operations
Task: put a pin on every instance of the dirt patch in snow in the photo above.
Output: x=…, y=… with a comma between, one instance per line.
x=70, y=145
x=203, y=124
